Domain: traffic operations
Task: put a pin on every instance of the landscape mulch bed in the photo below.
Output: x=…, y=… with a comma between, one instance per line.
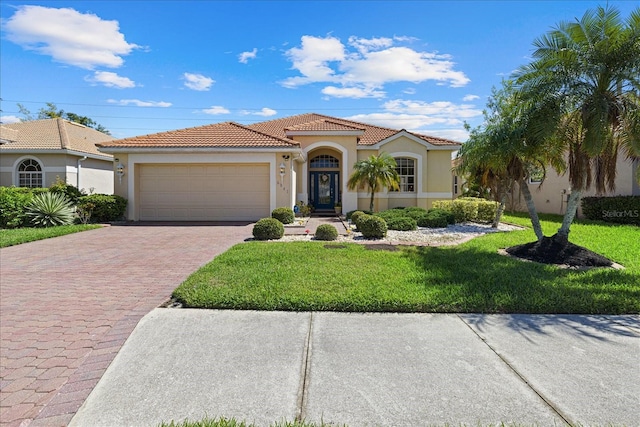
x=551, y=251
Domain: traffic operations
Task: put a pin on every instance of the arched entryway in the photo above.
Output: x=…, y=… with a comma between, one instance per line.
x=324, y=180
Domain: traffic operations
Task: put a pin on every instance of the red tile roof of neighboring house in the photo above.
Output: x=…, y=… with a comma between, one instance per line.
x=372, y=134
x=51, y=134
x=219, y=135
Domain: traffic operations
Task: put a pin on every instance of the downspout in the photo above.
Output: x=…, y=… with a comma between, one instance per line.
x=80, y=160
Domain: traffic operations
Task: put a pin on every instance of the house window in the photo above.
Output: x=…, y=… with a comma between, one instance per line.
x=324, y=161
x=407, y=173
x=30, y=174
x=536, y=175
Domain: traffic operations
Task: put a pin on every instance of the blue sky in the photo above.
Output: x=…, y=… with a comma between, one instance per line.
x=140, y=67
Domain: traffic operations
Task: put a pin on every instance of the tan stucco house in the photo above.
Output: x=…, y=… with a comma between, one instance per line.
x=35, y=153
x=228, y=171
x=551, y=196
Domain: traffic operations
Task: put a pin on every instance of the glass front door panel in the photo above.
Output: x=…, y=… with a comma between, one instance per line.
x=323, y=189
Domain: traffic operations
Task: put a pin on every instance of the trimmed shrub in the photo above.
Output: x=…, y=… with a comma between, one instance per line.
x=451, y=219
x=326, y=232
x=268, y=229
x=349, y=215
x=391, y=214
x=433, y=220
x=70, y=191
x=464, y=210
x=618, y=209
x=403, y=223
x=372, y=227
x=13, y=201
x=355, y=217
x=446, y=205
x=106, y=207
x=284, y=215
x=415, y=212
x=49, y=210
x=486, y=210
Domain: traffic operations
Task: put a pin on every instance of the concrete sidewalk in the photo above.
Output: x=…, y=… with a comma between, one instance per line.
x=372, y=369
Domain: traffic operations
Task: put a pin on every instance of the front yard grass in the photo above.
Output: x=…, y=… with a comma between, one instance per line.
x=472, y=277
x=16, y=236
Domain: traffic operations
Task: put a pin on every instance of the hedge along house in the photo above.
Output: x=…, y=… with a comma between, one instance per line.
x=36, y=153
x=228, y=171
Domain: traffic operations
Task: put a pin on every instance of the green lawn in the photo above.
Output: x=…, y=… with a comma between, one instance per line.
x=472, y=277
x=16, y=236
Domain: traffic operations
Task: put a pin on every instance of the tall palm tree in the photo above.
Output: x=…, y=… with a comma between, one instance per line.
x=505, y=150
x=589, y=70
x=374, y=172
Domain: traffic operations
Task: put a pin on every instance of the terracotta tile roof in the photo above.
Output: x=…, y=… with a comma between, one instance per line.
x=372, y=134
x=324, y=125
x=219, y=135
x=52, y=134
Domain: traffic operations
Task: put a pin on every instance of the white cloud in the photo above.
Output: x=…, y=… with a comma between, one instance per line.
x=410, y=91
x=215, y=110
x=68, y=36
x=9, y=119
x=244, y=57
x=197, y=81
x=265, y=112
x=369, y=65
x=468, y=98
x=440, y=109
x=109, y=79
x=353, y=92
x=139, y=103
x=442, y=119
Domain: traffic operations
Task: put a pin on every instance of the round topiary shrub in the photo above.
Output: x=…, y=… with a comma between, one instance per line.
x=355, y=216
x=284, y=215
x=391, y=214
x=433, y=220
x=451, y=219
x=402, y=223
x=372, y=227
x=268, y=229
x=350, y=214
x=326, y=232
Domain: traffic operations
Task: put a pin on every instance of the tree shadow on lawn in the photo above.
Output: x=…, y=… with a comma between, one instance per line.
x=492, y=283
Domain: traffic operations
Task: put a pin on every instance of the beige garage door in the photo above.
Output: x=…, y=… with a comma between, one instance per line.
x=204, y=192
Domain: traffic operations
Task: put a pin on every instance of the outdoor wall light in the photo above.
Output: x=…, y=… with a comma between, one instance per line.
x=120, y=171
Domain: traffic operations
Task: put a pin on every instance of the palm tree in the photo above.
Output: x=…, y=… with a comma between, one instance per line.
x=504, y=151
x=589, y=71
x=375, y=172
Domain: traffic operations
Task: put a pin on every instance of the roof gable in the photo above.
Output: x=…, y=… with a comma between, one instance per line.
x=372, y=134
x=52, y=134
x=219, y=135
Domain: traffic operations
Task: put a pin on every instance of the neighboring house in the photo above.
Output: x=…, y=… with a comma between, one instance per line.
x=35, y=153
x=228, y=171
x=551, y=195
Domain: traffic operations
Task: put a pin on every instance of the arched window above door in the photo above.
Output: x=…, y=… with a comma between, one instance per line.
x=324, y=161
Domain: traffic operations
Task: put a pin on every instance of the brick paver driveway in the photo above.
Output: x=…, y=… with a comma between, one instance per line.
x=68, y=304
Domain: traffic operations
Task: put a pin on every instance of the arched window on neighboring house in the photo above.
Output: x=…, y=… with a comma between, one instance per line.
x=30, y=174
x=407, y=172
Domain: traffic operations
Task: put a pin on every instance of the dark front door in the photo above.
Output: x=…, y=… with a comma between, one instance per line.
x=325, y=189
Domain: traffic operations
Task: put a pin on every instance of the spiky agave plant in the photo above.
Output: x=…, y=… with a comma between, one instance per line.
x=49, y=210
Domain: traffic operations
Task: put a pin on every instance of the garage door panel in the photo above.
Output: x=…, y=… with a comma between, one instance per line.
x=207, y=192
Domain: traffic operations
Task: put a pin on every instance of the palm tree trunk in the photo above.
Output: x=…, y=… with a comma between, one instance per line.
x=500, y=210
x=531, y=207
x=569, y=215
x=373, y=194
